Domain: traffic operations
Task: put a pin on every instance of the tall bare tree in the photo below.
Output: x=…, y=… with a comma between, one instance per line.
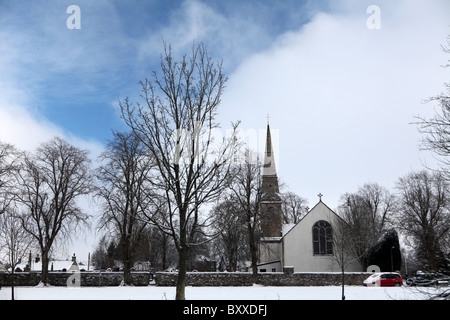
x=246, y=192
x=343, y=248
x=424, y=215
x=14, y=240
x=233, y=240
x=368, y=213
x=50, y=182
x=122, y=178
x=176, y=122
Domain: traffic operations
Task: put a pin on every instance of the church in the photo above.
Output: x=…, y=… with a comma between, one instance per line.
x=308, y=245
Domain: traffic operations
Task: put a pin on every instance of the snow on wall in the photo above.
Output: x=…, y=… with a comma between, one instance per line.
x=88, y=279
x=195, y=279
x=287, y=278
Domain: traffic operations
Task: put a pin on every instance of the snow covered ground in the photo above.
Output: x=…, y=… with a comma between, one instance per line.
x=218, y=293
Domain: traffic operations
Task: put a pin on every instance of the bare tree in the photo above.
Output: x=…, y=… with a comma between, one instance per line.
x=343, y=248
x=14, y=240
x=425, y=215
x=246, y=192
x=368, y=213
x=101, y=257
x=176, y=122
x=50, y=182
x=157, y=247
x=122, y=178
x=233, y=232
x=436, y=130
x=9, y=165
x=294, y=207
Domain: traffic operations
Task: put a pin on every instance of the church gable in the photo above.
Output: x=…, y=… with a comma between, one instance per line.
x=320, y=212
x=308, y=246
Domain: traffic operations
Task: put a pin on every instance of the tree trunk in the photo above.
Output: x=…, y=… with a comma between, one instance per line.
x=12, y=283
x=127, y=273
x=165, y=248
x=181, y=281
x=126, y=260
x=164, y=255
x=44, y=270
x=254, y=255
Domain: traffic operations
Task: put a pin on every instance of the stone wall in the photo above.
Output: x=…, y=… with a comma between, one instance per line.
x=88, y=279
x=219, y=279
x=286, y=278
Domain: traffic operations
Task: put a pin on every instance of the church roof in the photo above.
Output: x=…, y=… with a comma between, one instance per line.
x=289, y=227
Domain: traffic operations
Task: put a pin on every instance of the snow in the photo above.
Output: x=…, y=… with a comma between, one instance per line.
x=218, y=293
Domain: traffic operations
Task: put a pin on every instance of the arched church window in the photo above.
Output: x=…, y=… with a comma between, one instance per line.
x=322, y=238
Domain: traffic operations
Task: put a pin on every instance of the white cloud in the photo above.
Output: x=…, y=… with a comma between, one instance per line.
x=18, y=127
x=23, y=125
x=343, y=96
x=27, y=131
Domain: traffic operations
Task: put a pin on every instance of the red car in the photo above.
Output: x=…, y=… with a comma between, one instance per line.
x=385, y=279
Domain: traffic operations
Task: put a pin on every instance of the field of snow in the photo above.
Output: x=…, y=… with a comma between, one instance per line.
x=218, y=293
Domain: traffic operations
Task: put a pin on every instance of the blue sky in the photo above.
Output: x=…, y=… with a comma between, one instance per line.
x=341, y=97
x=72, y=77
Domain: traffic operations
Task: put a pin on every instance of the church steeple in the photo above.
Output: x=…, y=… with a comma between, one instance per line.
x=270, y=187
x=269, y=168
x=270, y=205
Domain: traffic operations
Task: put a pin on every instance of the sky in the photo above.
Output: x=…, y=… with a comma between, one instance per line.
x=340, y=81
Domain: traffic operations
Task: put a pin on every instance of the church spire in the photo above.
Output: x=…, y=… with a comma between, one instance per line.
x=270, y=205
x=269, y=168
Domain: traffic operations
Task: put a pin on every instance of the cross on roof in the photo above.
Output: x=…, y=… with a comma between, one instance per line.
x=320, y=196
x=268, y=118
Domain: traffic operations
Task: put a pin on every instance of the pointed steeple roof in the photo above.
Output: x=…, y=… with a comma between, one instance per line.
x=269, y=168
x=270, y=204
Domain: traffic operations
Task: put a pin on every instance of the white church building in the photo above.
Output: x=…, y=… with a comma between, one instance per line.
x=307, y=246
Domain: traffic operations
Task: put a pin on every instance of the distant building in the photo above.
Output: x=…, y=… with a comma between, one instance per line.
x=53, y=265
